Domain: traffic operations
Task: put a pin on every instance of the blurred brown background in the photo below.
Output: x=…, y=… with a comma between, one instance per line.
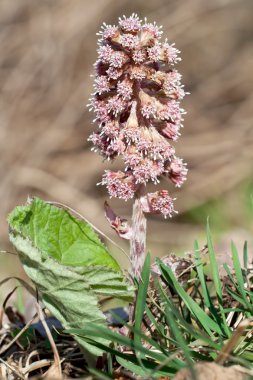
x=47, y=51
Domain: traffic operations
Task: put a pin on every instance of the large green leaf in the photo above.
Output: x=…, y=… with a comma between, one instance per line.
x=70, y=266
x=56, y=233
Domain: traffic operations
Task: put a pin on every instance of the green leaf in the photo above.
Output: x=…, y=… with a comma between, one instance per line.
x=70, y=266
x=57, y=233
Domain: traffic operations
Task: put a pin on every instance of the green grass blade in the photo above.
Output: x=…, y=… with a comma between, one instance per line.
x=245, y=263
x=201, y=275
x=180, y=341
x=234, y=309
x=95, y=331
x=143, y=336
x=225, y=266
x=141, y=298
x=133, y=367
x=206, y=322
x=214, y=266
x=217, y=281
x=205, y=291
x=188, y=328
x=99, y=375
x=149, y=367
x=154, y=359
x=109, y=364
x=159, y=327
x=237, y=298
x=245, y=255
x=239, y=276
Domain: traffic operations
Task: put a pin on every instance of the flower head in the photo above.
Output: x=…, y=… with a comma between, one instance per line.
x=130, y=24
x=119, y=184
x=159, y=202
x=137, y=106
x=177, y=171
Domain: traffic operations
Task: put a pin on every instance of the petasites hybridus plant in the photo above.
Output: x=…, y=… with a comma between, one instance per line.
x=137, y=107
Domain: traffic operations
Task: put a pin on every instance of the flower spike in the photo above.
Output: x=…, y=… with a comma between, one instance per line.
x=137, y=107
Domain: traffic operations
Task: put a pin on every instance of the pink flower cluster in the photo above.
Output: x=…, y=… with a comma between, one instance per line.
x=137, y=106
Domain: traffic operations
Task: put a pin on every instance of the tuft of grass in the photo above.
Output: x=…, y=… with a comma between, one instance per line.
x=179, y=324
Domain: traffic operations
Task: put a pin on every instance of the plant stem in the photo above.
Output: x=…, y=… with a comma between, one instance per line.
x=138, y=240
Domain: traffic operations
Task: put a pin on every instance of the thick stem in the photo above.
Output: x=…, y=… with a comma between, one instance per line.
x=138, y=240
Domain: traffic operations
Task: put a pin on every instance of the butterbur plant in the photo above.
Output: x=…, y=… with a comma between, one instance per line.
x=137, y=106
x=179, y=312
